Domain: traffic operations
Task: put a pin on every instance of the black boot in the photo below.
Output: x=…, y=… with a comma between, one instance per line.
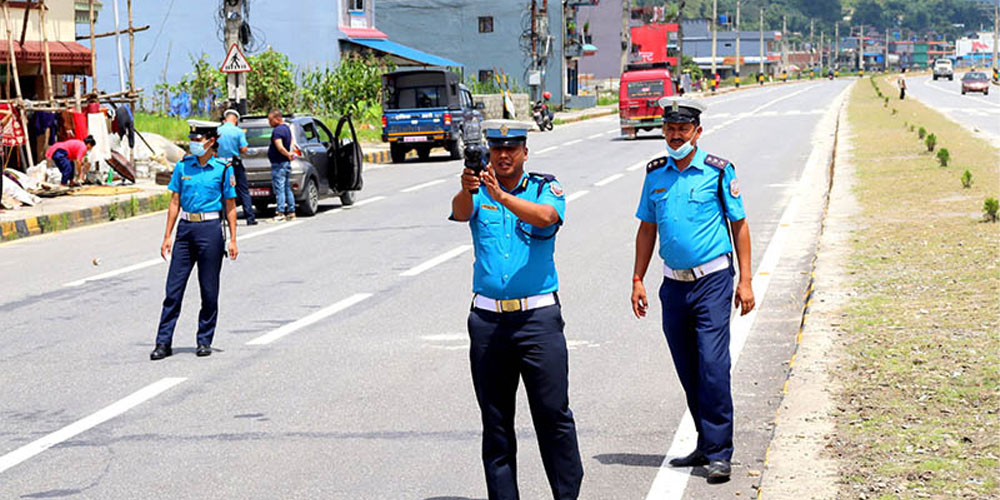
x=203, y=350
x=161, y=351
x=695, y=459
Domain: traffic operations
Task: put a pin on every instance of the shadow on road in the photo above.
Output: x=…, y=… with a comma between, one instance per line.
x=632, y=459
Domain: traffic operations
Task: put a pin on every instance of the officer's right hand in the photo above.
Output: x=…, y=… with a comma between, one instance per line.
x=165, y=248
x=470, y=180
x=639, y=302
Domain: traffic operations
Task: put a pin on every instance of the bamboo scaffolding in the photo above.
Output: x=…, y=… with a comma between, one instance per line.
x=112, y=33
x=17, y=80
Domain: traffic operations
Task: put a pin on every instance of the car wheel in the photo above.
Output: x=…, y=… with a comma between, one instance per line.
x=310, y=202
x=457, y=147
x=398, y=153
x=423, y=153
x=347, y=198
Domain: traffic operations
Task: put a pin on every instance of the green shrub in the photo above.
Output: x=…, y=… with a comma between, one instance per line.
x=931, y=141
x=990, y=207
x=912, y=128
x=922, y=132
x=943, y=156
x=967, y=179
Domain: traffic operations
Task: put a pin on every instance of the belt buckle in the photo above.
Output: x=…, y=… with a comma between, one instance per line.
x=686, y=274
x=510, y=305
x=195, y=217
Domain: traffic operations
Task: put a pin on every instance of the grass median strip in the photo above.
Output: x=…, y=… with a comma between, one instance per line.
x=917, y=417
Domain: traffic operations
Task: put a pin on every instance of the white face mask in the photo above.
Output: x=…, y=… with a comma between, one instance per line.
x=681, y=152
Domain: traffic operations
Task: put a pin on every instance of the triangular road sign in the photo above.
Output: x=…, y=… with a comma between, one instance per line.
x=235, y=61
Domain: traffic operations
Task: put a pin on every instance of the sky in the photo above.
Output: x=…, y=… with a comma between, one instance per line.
x=305, y=32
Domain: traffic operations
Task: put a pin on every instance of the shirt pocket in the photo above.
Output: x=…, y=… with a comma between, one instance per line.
x=703, y=206
x=489, y=223
x=661, y=206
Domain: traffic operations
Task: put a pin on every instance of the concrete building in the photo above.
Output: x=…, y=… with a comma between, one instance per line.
x=605, y=33
x=698, y=45
x=490, y=37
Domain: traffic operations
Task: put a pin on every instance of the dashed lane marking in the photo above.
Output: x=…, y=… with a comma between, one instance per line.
x=107, y=413
x=418, y=187
x=575, y=141
x=595, y=136
x=637, y=166
x=547, y=150
x=609, y=179
x=366, y=201
x=440, y=259
x=576, y=196
x=322, y=314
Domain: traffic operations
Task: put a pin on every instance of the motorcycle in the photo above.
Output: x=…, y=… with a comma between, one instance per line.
x=542, y=115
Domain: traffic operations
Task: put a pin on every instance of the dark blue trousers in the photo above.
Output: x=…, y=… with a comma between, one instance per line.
x=198, y=243
x=696, y=324
x=243, y=190
x=530, y=345
x=61, y=158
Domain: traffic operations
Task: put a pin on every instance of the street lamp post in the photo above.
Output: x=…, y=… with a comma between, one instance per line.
x=738, y=43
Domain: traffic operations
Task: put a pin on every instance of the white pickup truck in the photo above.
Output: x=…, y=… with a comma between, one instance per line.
x=943, y=69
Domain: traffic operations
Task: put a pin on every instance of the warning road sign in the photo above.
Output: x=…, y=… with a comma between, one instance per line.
x=235, y=61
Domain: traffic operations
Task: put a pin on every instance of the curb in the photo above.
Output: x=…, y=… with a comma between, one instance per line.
x=580, y=118
x=383, y=156
x=51, y=223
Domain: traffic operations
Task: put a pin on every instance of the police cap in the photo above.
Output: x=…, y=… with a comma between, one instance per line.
x=680, y=110
x=506, y=133
x=201, y=129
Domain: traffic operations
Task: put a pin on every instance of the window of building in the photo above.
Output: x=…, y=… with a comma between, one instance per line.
x=356, y=5
x=485, y=75
x=486, y=24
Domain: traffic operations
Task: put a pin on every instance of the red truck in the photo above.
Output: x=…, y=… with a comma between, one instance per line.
x=640, y=89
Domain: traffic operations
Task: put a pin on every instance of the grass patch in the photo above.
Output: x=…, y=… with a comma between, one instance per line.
x=174, y=129
x=921, y=374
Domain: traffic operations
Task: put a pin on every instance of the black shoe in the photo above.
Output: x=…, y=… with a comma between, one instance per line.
x=695, y=459
x=252, y=222
x=161, y=351
x=718, y=471
x=203, y=350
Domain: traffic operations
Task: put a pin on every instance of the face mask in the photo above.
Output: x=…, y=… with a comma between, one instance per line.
x=197, y=148
x=682, y=152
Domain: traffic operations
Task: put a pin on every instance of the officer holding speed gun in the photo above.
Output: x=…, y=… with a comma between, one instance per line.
x=515, y=323
x=202, y=188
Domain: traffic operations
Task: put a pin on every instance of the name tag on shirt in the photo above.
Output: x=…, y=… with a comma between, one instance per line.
x=661, y=190
x=488, y=207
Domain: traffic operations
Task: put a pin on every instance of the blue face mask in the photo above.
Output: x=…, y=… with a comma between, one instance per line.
x=197, y=148
x=682, y=152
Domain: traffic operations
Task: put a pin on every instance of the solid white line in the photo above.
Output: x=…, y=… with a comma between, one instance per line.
x=608, y=180
x=280, y=227
x=575, y=141
x=421, y=186
x=365, y=201
x=929, y=83
x=107, y=413
x=117, y=272
x=546, y=150
x=450, y=254
x=324, y=313
x=595, y=136
x=670, y=482
x=576, y=196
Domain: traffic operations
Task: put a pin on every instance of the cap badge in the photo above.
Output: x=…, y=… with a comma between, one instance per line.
x=675, y=107
x=504, y=130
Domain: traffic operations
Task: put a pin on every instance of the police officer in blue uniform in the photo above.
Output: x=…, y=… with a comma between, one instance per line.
x=515, y=324
x=202, y=185
x=232, y=146
x=688, y=197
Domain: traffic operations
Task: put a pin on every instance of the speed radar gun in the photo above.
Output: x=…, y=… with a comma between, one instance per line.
x=476, y=159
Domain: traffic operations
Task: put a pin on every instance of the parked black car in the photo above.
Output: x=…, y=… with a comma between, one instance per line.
x=329, y=163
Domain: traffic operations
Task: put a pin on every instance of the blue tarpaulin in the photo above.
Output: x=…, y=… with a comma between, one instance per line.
x=404, y=52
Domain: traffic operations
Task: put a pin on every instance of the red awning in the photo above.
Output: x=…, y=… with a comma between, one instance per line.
x=363, y=33
x=60, y=54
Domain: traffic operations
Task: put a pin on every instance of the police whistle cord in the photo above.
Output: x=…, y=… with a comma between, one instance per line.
x=806, y=299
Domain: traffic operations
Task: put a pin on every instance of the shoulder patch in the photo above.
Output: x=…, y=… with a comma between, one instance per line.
x=556, y=188
x=715, y=161
x=656, y=163
x=734, y=188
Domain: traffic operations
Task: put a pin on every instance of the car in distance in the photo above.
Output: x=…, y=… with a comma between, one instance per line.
x=328, y=163
x=944, y=69
x=976, y=81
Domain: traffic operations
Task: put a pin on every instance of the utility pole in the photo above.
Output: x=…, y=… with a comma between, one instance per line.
x=626, y=34
x=236, y=84
x=93, y=48
x=738, y=32
x=784, y=43
x=118, y=42
x=812, y=43
x=822, y=49
x=715, y=32
x=836, y=44
x=996, y=34
x=762, y=53
x=887, y=50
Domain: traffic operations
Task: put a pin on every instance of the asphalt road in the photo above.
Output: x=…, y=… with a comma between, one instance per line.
x=341, y=368
x=977, y=112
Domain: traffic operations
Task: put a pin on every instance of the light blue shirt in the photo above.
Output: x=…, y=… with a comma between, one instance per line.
x=231, y=140
x=513, y=258
x=686, y=208
x=202, y=189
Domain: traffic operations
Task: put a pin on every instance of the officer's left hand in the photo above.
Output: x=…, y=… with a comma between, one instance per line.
x=489, y=179
x=233, y=251
x=744, y=298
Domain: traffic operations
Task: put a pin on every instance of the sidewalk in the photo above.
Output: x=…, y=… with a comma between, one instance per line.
x=72, y=211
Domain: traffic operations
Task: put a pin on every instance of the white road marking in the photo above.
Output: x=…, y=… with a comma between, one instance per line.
x=756, y=111
x=450, y=254
x=670, y=482
x=107, y=413
x=117, y=272
x=322, y=314
x=637, y=166
x=446, y=337
x=575, y=141
x=576, y=196
x=608, y=180
x=366, y=201
x=280, y=227
x=595, y=136
x=929, y=83
x=615, y=131
x=547, y=150
x=418, y=187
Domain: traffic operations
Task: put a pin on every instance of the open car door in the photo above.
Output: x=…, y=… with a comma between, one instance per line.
x=347, y=158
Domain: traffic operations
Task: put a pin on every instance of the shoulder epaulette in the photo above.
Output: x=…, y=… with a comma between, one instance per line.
x=543, y=177
x=715, y=161
x=656, y=163
x=546, y=179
